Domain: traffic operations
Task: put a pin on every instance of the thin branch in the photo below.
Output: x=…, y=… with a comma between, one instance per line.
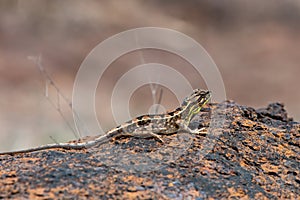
x=159, y=100
x=59, y=94
x=54, y=140
x=153, y=87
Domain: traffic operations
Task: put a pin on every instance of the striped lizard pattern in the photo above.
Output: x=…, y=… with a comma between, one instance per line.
x=143, y=126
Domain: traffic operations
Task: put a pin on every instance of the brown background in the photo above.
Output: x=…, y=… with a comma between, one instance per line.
x=256, y=46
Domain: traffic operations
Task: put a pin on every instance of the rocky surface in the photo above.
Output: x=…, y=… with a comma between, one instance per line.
x=246, y=153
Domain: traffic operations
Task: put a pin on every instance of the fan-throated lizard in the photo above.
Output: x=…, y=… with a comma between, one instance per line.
x=143, y=126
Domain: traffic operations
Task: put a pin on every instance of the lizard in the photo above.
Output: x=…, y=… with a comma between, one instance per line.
x=152, y=125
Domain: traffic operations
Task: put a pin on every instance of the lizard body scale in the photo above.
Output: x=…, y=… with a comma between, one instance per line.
x=145, y=125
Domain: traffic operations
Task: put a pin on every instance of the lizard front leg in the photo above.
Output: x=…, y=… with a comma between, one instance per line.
x=184, y=127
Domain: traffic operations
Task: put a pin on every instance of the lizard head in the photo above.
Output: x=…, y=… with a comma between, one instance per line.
x=192, y=104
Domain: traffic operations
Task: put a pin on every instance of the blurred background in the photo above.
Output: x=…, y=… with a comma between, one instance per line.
x=255, y=44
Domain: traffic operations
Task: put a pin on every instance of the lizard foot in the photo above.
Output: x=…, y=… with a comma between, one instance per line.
x=184, y=127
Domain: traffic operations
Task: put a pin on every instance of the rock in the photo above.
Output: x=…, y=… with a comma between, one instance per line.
x=246, y=153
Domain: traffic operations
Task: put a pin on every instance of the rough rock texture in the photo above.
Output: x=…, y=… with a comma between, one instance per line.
x=246, y=153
